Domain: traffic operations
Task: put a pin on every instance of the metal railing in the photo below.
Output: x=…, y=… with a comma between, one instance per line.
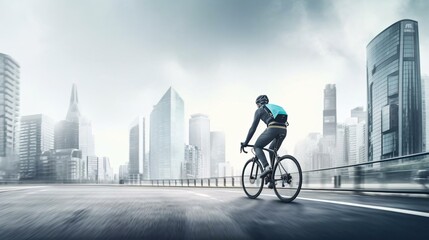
x=405, y=174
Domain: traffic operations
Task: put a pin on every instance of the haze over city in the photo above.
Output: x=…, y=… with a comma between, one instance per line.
x=218, y=55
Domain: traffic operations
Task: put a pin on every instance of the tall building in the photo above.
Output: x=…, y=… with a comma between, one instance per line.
x=67, y=131
x=217, y=151
x=36, y=137
x=395, y=125
x=330, y=111
x=167, y=137
x=191, y=165
x=137, y=149
x=199, y=136
x=327, y=144
x=9, y=117
x=425, y=94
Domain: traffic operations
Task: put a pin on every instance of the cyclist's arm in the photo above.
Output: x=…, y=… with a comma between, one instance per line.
x=254, y=126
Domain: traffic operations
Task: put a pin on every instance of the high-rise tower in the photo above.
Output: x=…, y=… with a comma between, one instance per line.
x=167, y=136
x=137, y=149
x=9, y=116
x=395, y=125
x=330, y=111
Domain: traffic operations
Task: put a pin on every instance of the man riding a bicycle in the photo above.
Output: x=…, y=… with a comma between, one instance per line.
x=276, y=119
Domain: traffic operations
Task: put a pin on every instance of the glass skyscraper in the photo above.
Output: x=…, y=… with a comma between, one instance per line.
x=394, y=92
x=9, y=116
x=137, y=149
x=167, y=143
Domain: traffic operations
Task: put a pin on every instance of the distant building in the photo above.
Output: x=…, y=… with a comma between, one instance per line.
x=167, y=137
x=123, y=172
x=307, y=150
x=191, y=166
x=9, y=117
x=61, y=166
x=36, y=137
x=330, y=111
x=199, y=136
x=92, y=168
x=137, y=149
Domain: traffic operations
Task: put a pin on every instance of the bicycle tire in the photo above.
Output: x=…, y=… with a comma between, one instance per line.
x=287, y=169
x=252, y=189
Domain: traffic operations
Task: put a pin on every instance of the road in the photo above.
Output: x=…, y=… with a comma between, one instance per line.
x=133, y=212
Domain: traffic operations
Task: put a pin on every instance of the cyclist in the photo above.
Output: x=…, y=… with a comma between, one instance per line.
x=276, y=119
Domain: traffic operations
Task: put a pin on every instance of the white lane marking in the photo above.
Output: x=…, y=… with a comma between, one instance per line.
x=207, y=196
x=389, y=209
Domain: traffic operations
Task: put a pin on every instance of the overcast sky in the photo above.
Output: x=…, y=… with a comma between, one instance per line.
x=218, y=55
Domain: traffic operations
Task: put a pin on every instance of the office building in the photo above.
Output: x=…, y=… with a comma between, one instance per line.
x=36, y=137
x=167, y=137
x=395, y=121
x=137, y=149
x=9, y=117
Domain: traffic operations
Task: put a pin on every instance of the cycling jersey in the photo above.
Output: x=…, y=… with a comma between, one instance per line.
x=264, y=115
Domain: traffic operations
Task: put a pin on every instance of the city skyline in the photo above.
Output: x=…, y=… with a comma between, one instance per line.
x=324, y=42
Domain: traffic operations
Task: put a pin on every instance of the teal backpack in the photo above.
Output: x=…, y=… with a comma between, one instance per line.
x=276, y=112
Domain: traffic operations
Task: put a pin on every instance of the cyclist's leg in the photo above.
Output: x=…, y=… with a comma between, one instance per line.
x=263, y=140
x=277, y=142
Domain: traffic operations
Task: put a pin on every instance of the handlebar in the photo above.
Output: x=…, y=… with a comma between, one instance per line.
x=242, y=148
x=265, y=149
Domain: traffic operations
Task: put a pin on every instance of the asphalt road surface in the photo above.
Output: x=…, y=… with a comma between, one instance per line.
x=133, y=212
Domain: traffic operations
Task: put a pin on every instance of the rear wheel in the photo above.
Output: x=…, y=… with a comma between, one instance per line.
x=250, y=181
x=287, y=178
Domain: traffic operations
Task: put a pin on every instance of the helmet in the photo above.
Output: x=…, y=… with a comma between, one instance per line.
x=262, y=99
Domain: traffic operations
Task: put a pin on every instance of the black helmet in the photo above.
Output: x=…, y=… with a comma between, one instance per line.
x=262, y=99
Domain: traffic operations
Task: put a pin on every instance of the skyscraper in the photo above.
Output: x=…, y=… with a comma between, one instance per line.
x=167, y=136
x=217, y=151
x=394, y=92
x=330, y=111
x=36, y=136
x=9, y=116
x=425, y=94
x=137, y=149
x=199, y=136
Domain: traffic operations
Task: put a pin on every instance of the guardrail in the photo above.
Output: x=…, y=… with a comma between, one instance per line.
x=405, y=174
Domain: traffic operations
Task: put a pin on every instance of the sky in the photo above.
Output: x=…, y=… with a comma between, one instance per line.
x=218, y=55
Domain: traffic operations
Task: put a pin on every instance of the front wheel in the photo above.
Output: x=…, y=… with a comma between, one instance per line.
x=250, y=181
x=287, y=178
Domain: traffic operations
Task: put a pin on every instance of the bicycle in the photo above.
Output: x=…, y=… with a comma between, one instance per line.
x=286, y=177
